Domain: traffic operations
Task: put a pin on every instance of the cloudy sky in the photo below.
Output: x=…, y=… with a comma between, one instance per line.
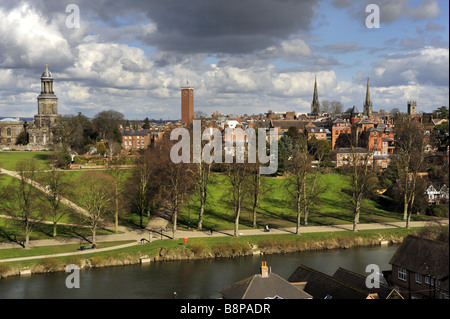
x=242, y=56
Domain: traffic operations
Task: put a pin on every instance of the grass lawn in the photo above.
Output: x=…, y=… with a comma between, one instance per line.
x=50, y=250
x=8, y=160
x=276, y=210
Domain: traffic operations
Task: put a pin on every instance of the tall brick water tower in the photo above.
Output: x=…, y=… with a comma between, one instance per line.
x=187, y=104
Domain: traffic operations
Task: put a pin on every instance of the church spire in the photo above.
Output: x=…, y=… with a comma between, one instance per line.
x=367, y=103
x=315, y=105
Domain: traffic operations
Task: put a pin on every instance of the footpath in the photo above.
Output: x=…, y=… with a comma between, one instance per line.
x=155, y=234
x=157, y=230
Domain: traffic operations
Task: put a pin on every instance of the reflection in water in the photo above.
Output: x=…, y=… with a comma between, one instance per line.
x=190, y=279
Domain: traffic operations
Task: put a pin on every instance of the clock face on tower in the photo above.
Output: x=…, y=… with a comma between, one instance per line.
x=192, y=93
x=185, y=93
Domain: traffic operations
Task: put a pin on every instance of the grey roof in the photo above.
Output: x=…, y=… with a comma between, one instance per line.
x=257, y=287
x=47, y=74
x=136, y=132
x=430, y=257
x=359, y=281
x=286, y=124
x=321, y=285
x=355, y=110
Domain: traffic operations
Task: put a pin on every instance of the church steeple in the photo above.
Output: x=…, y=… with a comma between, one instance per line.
x=367, y=104
x=47, y=100
x=315, y=105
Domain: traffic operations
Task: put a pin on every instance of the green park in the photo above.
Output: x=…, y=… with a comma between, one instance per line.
x=331, y=207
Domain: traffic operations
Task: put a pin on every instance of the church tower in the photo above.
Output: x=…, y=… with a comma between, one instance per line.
x=187, y=104
x=367, y=105
x=412, y=108
x=47, y=100
x=47, y=119
x=315, y=105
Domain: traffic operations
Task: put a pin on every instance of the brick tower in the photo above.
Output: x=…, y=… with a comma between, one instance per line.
x=187, y=104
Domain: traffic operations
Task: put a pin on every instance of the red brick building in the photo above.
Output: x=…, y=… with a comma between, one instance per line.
x=420, y=269
x=341, y=132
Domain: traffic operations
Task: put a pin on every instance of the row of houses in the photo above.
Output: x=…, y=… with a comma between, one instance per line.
x=426, y=276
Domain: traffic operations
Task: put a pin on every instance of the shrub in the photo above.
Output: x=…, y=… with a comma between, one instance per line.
x=199, y=248
x=50, y=264
x=4, y=269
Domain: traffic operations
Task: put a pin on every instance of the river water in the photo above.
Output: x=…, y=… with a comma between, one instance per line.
x=189, y=279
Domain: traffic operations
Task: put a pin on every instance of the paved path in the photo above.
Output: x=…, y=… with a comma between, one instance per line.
x=155, y=230
x=137, y=235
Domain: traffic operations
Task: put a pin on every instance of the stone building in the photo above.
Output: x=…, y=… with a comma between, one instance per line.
x=40, y=131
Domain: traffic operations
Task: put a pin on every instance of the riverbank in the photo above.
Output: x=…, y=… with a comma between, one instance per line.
x=213, y=247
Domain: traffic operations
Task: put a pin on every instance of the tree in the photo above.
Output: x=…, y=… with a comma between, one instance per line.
x=20, y=201
x=117, y=183
x=23, y=138
x=112, y=148
x=333, y=107
x=177, y=181
x=107, y=123
x=299, y=168
x=201, y=178
x=238, y=175
x=101, y=148
x=146, y=125
x=139, y=185
x=57, y=187
x=409, y=161
x=96, y=196
x=75, y=133
x=363, y=182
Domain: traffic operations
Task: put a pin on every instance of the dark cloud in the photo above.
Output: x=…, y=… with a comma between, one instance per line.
x=232, y=26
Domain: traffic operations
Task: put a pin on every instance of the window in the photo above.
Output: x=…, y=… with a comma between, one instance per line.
x=402, y=274
x=427, y=279
x=8, y=132
x=419, y=278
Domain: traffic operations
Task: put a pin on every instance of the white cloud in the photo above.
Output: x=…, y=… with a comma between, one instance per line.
x=27, y=40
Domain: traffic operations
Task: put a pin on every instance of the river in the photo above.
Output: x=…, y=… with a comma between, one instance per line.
x=189, y=279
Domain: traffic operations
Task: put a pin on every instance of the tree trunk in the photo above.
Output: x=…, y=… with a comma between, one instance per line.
x=357, y=212
x=255, y=209
x=236, y=222
x=237, y=214
x=27, y=235
x=405, y=208
x=94, y=235
x=299, y=212
x=202, y=209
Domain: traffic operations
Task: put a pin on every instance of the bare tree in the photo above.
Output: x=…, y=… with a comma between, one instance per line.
x=177, y=182
x=409, y=161
x=238, y=175
x=363, y=181
x=139, y=185
x=20, y=201
x=117, y=183
x=57, y=186
x=299, y=169
x=95, y=195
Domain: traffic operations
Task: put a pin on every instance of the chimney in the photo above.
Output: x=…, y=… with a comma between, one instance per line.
x=264, y=270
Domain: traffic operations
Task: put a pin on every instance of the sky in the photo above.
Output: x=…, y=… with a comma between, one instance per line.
x=241, y=56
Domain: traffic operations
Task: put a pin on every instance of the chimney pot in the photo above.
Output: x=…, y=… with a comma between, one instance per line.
x=264, y=270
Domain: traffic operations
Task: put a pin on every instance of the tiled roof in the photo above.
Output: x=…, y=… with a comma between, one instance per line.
x=257, y=287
